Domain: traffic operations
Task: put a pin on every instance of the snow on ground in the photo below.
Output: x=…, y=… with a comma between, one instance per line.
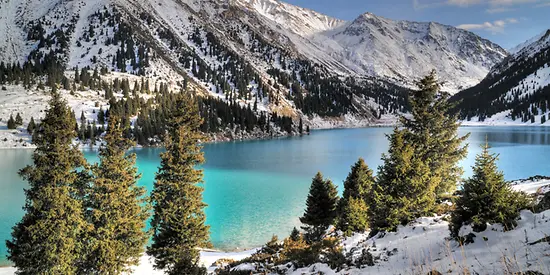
x=423, y=246
x=33, y=103
x=504, y=119
x=208, y=258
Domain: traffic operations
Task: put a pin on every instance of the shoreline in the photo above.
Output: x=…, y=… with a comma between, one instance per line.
x=266, y=138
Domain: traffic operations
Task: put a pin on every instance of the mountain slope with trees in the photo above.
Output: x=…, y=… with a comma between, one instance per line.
x=263, y=57
x=518, y=89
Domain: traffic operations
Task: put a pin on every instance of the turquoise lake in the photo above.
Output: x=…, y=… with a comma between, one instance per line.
x=255, y=189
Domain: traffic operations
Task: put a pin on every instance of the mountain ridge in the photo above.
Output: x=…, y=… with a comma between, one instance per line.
x=287, y=60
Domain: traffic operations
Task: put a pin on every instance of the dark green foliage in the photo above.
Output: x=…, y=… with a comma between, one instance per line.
x=18, y=120
x=295, y=234
x=321, y=208
x=48, y=238
x=353, y=210
x=433, y=133
x=422, y=163
x=544, y=203
x=11, y=123
x=366, y=259
x=404, y=189
x=116, y=208
x=31, y=126
x=101, y=116
x=487, y=198
x=507, y=90
x=178, y=222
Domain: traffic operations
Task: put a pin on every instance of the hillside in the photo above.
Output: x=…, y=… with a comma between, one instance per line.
x=516, y=90
x=285, y=60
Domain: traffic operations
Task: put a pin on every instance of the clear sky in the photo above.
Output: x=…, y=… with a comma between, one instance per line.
x=505, y=22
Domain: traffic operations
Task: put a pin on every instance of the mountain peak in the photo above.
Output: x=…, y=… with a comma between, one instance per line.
x=541, y=37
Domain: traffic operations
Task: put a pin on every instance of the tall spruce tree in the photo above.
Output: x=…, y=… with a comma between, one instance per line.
x=31, y=126
x=433, y=133
x=48, y=238
x=321, y=208
x=11, y=123
x=117, y=208
x=178, y=223
x=404, y=188
x=353, y=210
x=18, y=120
x=487, y=198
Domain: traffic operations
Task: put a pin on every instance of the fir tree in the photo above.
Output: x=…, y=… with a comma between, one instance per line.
x=295, y=234
x=321, y=208
x=487, y=198
x=116, y=208
x=101, y=116
x=18, y=120
x=404, y=188
x=48, y=238
x=179, y=221
x=31, y=126
x=434, y=134
x=353, y=216
x=11, y=123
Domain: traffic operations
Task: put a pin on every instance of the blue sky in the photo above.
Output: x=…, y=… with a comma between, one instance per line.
x=505, y=22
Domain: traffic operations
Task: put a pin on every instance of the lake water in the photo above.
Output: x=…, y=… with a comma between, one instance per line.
x=256, y=189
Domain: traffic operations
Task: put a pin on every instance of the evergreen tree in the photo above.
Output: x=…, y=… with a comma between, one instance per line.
x=434, y=134
x=353, y=216
x=487, y=198
x=11, y=123
x=179, y=221
x=321, y=208
x=101, y=116
x=48, y=238
x=116, y=208
x=31, y=126
x=404, y=188
x=18, y=120
x=295, y=234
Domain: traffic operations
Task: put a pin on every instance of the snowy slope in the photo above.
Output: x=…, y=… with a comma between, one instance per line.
x=528, y=42
x=402, y=50
x=517, y=89
x=376, y=46
x=212, y=45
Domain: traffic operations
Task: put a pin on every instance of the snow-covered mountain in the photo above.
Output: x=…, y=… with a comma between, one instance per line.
x=371, y=45
x=288, y=60
x=517, y=89
x=403, y=50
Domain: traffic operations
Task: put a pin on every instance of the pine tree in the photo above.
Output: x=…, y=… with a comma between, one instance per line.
x=404, y=189
x=295, y=234
x=101, y=116
x=11, y=123
x=48, y=238
x=18, y=120
x=487, y=198
x=179, y=221
x=31, y=126
x=321, y=208
x=434, y=134
x=116, y=208
x=353, y=210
